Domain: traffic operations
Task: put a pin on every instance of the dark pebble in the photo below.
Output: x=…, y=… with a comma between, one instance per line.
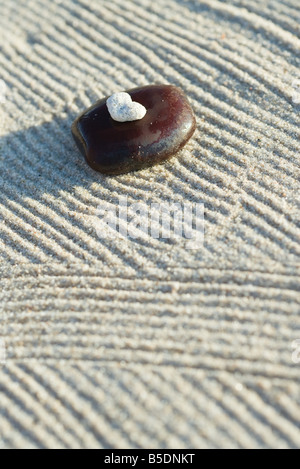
x=112, y=147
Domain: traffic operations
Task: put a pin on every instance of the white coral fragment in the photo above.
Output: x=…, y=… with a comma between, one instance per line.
x=122, y=109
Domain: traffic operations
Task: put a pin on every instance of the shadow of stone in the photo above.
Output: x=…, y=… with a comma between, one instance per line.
x=49, y=196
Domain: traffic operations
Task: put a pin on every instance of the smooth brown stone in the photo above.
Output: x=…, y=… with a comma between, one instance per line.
x=112, y=147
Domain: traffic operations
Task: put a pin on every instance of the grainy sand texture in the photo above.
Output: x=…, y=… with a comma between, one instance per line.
x=142, y=343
